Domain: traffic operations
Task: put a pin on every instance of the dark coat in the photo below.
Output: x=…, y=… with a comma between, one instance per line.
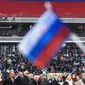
x=65, y=83
x=19, y=81
x=26, y=81
x=64, y=78
x=43, y=82
x=36, y=82
x=31, y=81
x=8, y=81
x=54, y=82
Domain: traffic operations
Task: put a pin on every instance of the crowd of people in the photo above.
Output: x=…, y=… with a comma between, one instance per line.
x=69, y=59
x=26, y=78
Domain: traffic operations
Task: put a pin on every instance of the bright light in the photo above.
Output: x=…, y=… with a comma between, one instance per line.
x=30, y=26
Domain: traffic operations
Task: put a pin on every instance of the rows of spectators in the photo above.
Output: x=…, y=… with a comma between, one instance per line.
x=69, y=57
x=26, y=78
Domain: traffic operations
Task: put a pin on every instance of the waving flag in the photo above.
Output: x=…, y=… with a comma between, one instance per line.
x=42, y=42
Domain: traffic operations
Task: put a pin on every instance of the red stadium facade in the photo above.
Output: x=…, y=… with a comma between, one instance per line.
x=35, y=9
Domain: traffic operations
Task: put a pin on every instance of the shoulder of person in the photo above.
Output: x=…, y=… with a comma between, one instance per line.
x=78, y=82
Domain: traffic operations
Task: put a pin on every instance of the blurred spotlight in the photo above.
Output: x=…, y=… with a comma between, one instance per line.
x=3, y=33
x=10, y=26
x=63, y=45
x=30, y=26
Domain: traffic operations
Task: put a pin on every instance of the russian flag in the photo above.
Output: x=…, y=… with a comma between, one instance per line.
x=43, y=41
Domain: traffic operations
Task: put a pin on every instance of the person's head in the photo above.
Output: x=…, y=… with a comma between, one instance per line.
x=83, y=74
x=20, y=74
x=70, y=54
x=51, y=76
x=69, y=78
x=77, y=77
x=73, y=76
x=59, y=77
x=11, y=74
x=36, y=77
x=26, y=73
x=42, y=76
x=65, y=74
x=30, y=76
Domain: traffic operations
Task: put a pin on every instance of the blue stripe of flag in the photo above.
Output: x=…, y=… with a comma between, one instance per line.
x=56, y=27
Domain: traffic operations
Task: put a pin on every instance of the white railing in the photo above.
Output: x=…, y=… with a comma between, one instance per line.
x=18, y=39
x=33, y=20
x=10, y=39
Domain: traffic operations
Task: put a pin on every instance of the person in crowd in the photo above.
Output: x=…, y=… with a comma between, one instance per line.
x=52, y=80
x=82, y=80
x=26, y=80
x=68, y=80
x=43, y=79
x=36, y=80
x=78, y=77
x=19, y=79
x=1, y=80
x=10, y=79
x=31, y=79
x=73, y=76
x=59, y=79
x=64, y=76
